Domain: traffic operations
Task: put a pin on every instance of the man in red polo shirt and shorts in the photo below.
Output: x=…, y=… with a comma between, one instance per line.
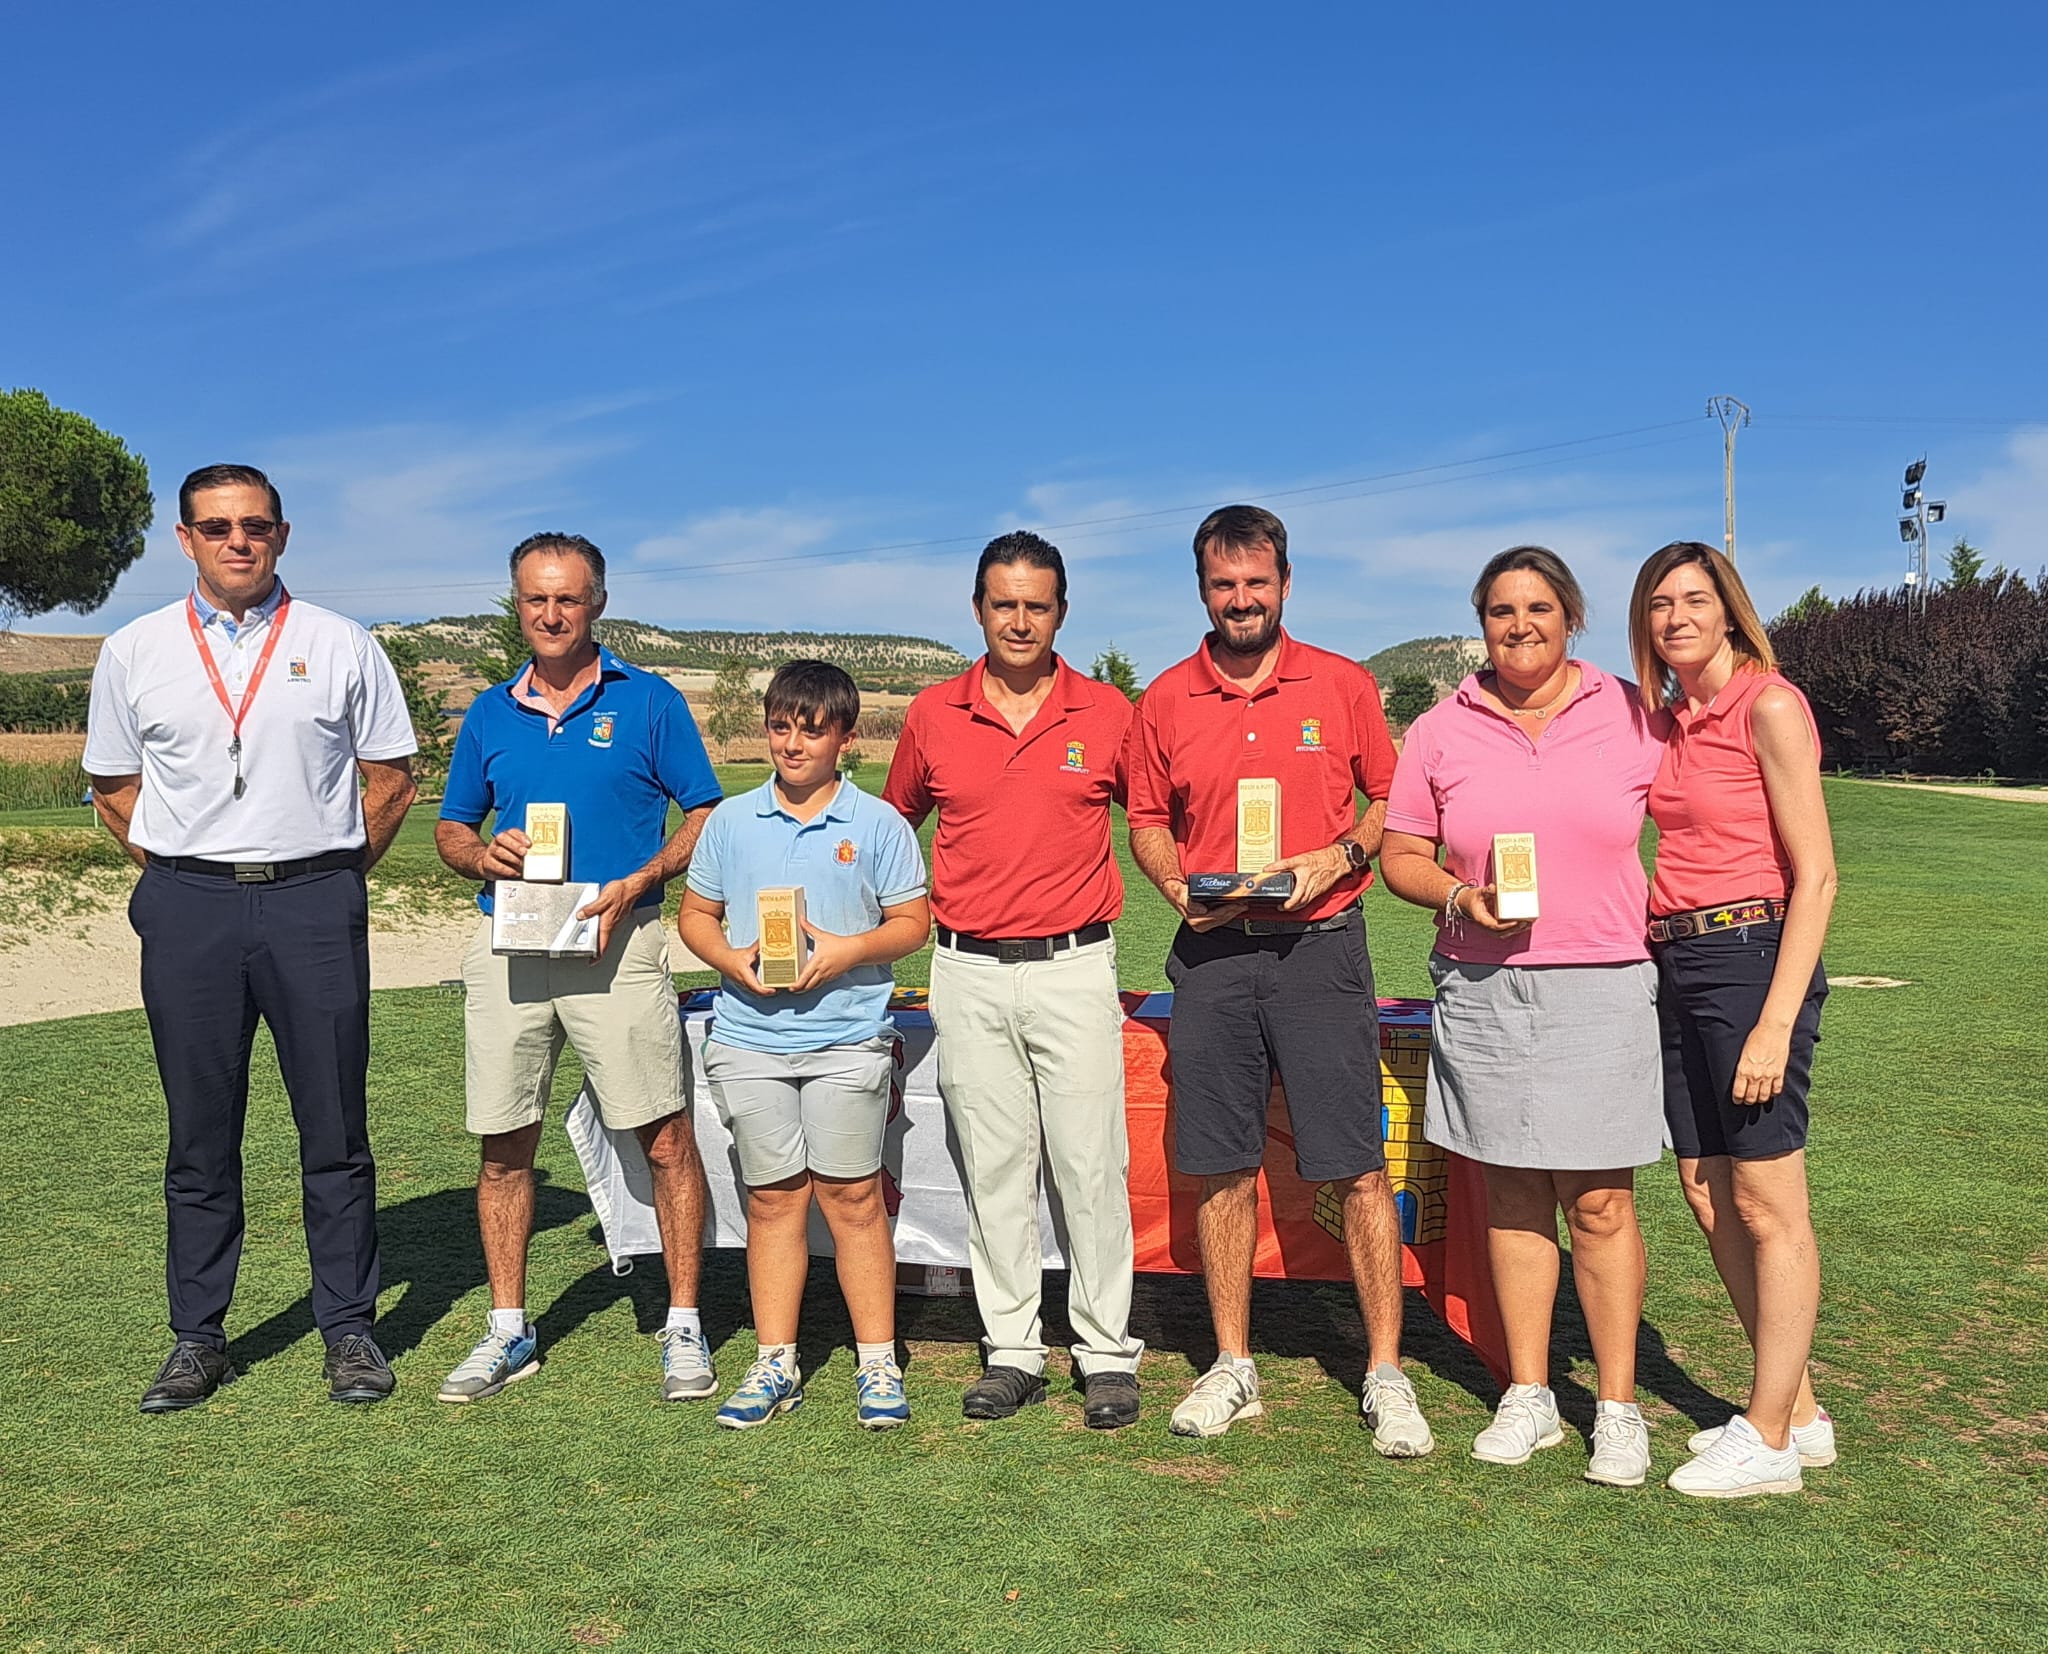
x=1021, y=756
x=1260, y=987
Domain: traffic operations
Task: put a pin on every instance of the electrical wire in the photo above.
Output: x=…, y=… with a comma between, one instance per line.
x=1442, y=474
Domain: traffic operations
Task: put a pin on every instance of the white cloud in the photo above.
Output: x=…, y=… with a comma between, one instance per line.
x=392, y=521
x=2003, y=510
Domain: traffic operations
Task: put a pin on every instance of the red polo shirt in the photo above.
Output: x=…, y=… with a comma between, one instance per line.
x=1314, y=725
x=1023, y=842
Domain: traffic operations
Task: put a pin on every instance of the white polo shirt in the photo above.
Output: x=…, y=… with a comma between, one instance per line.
x=328, y=698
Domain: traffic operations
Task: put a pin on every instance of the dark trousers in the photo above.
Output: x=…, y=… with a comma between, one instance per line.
x=216, y=955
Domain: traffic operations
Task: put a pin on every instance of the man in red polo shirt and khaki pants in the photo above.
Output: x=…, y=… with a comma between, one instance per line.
x=1266, y=986
x=1021, y=756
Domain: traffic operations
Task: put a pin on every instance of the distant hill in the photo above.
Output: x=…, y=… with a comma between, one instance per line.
x=876, y=660
x=1445, y=661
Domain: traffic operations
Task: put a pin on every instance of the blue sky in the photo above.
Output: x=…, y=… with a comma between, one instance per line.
x=744, y=295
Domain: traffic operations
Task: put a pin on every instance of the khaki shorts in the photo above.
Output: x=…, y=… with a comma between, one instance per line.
x=619, y=1011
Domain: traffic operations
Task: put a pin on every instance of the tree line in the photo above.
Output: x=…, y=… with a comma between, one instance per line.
x=1960, y=689
x=42, y=702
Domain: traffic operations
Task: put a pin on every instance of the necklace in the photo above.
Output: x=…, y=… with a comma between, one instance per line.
x=1542, y=711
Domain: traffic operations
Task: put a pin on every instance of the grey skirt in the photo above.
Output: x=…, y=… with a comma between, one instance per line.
x=1551, y=1067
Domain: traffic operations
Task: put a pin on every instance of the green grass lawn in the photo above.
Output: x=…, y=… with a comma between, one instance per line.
x=576, y=1511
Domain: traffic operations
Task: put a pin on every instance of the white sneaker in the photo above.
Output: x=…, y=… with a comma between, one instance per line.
x=1525, y=1420
x=1621, y=1445
x=1815, y=1440
x=1227, y=1392
x=1387, y=1407
x=1737, y=1464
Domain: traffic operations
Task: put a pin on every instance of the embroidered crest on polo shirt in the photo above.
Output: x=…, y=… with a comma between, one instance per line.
x=846, y=853
x=1311, y=735
x=601, y=729
x=1077, y=756
x=295, y=670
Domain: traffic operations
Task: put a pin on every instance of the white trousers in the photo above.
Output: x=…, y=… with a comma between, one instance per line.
x=1031, y=1066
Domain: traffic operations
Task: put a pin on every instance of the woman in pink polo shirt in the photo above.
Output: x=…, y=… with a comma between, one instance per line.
x=1545, y=1067
x=1739, y=908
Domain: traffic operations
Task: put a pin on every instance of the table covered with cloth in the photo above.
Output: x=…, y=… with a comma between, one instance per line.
x=1441, y=1198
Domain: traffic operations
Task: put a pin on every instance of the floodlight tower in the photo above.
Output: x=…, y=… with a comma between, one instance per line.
x=1920, y=511
x=1733, y=415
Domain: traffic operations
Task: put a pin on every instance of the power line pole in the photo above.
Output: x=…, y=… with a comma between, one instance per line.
x=1733, y=415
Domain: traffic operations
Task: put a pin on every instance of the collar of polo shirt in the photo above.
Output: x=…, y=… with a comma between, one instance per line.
x=208, y=614
x=1204, y=679
x=1068, y=685
x=519, y=688
x=768, y=802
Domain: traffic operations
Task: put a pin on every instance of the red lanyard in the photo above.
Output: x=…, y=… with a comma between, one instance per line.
x=237, y=710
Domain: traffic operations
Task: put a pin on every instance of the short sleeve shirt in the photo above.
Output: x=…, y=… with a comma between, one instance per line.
x=327, y=699
x=625, y=747
x=1468, y=772
x=1315, y=726
x=852, y=859
x=1023, y=843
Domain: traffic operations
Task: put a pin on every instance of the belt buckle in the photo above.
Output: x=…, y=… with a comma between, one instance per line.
x=1013, y=953
x=254, y=872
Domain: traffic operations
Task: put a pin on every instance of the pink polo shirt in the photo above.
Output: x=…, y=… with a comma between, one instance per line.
x=1716, y=841
x=1467, y=772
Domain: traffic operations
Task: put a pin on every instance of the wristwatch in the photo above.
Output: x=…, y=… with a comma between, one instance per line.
x=1354, y=853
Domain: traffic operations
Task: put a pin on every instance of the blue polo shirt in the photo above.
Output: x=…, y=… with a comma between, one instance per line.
x=625, y=747
x=853, y=858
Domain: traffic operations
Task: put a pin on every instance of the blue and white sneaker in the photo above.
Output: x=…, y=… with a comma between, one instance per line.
x=882, y=1405
x=502, y=1358
x=769, y=1388
x=686, y=1373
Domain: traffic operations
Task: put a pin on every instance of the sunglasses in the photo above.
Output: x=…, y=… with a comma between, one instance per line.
x=219, y=528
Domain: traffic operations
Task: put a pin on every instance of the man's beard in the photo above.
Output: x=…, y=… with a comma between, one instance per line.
x=1258, y=643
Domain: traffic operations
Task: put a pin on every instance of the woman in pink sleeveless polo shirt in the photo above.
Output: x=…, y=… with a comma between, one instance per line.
x=1739, y=908
x=1544, y=1067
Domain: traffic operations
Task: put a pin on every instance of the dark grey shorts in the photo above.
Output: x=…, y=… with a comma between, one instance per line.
x=1299, y=1004
x=1710, y=992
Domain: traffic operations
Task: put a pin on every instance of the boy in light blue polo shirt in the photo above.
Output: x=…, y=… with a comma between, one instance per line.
x=802, y=1076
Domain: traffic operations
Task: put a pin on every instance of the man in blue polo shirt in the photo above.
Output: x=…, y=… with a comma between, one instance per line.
x=577, y=726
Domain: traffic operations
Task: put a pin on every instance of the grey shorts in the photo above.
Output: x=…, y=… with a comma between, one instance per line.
x=795, y=1111
x=1548, y=1067
x=1300, y=1005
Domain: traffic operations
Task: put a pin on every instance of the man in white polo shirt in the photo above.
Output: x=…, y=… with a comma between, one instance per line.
x=253, y=753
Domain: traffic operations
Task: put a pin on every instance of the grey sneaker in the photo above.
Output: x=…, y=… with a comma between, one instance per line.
x=1525, y=1420
x=502, y=1358
x=1815, y=1440
x=1227, y=1392
x=1621, y=1445
x=686, y=1373
x=1389, y=1410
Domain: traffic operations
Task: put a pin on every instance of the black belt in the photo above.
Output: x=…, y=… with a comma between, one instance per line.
x=1020, y=949
x=1705, y=921
x=1286, y=927
x=259, y=872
